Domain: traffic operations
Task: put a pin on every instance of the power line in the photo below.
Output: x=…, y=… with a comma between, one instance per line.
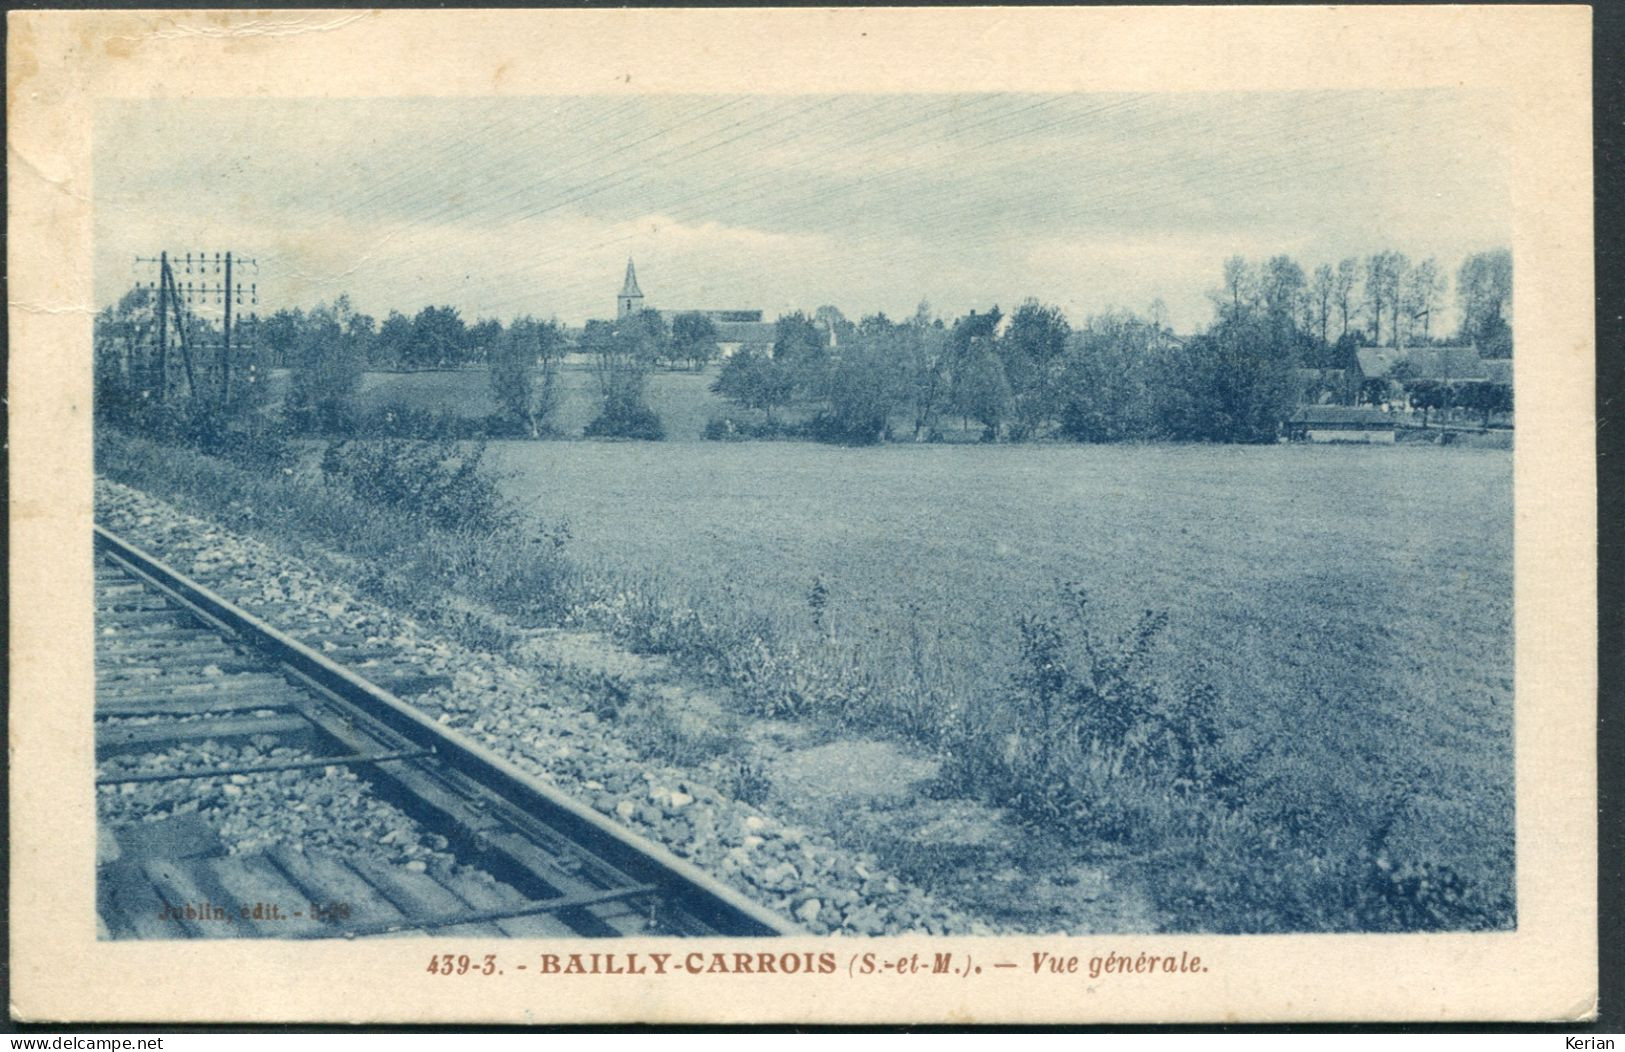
x=177, y=301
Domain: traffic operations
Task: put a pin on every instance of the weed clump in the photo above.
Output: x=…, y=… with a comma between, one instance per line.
x=439, y=483
x=747, y=781
x=415, y=542
x=1086, y=736
x=1090, y=742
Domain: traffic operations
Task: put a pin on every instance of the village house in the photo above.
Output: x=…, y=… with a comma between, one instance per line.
x=1342, y=423
x=1458, y=364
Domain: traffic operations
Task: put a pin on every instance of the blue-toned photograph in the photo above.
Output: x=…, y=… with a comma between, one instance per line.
x=759, y=515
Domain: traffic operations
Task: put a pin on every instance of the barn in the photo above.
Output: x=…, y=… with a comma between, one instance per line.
x=1341, y=423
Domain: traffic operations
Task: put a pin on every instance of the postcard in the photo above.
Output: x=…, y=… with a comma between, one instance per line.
x=859, y=515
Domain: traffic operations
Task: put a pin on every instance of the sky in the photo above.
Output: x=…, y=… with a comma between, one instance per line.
x=510, y=206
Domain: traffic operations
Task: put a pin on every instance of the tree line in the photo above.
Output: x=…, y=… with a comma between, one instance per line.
x=1118, y=376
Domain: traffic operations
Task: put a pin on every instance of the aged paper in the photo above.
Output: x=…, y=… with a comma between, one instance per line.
x=1532, y=62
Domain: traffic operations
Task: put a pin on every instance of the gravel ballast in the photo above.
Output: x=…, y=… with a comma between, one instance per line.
x=327, y=808
x=534, y=714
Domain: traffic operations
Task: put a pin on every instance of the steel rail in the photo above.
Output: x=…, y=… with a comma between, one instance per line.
x=676, y=882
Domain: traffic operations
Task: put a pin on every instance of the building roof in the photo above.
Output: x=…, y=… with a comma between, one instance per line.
x=1427, y=363
x=672, y=315
x=1500, y=369
x=754, y=332
x=1342, y=415
x=630, y=286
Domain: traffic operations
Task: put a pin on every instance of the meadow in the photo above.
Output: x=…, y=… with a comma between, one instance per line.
x=1336, y=666
x=682, y=399
x=1352, y=607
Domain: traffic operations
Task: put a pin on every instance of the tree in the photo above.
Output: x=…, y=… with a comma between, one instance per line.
x=1032, y=349
x=923, y=347
x=1375, y=287
x=439, y=338
x=1344, y=355
x=281, y=332
x=1108, y=384
x=1420, y=295
x=618, y=367
x=645, y=338
x=1238, y=294
x=1382, y=280
x=1321, y=296
x=1156, y=316
x=187, y=399
x=755, y=381
x=1485, y=397
x=1228, y=386
x=362, y=333
x=1399, y=270
x=694, y=339
x=393, y=344
x=123, y=355
x=969, y=339
x=981, y=392
x=867, y=381
x=482, y=337
x=1344, y=285
x=1427, y=395
x=325, y=369
x=524, y=371
x=1484, y=300
x=1374, y=390
x=623, y=354
x=830, y=319
x=1281, y=286
x=802, y=348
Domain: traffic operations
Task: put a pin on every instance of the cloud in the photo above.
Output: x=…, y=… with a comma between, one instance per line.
x=868, y=202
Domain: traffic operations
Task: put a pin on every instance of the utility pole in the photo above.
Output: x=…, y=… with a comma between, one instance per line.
x=173, y=300
x=180, y=330
x=225, y=345
x=163, y=324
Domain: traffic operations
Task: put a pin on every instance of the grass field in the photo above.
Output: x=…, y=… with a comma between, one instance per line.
x=682, y=399
x=1349, y=608
x=1356, y=603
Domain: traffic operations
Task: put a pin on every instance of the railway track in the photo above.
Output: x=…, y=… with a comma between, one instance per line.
x=200, y=703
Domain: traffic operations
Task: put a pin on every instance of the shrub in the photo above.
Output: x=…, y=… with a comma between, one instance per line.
x=627, y=418
x=1089, y=741
x=841, y=430
x=395, y=553
x=1266, y=872
x=436, y=482
x=1087, y=735
x=721, y=429
x=263, y=450
x=730, y=429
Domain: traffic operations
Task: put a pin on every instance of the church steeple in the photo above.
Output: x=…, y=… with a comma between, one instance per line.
x=630, y=301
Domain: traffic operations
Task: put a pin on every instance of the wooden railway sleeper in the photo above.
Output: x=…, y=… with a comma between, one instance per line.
x=265, y=768
x=485, y=828
x=560, y=904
